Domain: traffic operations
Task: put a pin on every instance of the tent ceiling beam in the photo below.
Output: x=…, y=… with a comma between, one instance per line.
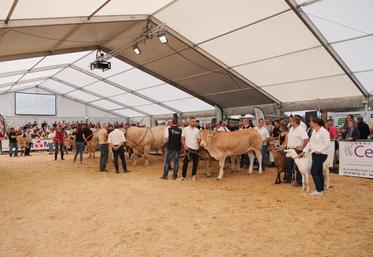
x=125, y=89
x=71, y=20
x=14, y=4
x=217, y=61
x=244, y=26
x=45, y=68
x=171, y=82
x=309, y=24
x=98, y=9
x=23, y=82
x=96, y=95
x=351, y=39
x=79, y=101
x=47, y=53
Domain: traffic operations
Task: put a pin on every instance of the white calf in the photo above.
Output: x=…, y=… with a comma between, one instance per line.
x=304, y=165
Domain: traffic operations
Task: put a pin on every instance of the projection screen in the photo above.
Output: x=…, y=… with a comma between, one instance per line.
x=35, y=104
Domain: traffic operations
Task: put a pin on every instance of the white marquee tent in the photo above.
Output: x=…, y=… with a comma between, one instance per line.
x=234, y=54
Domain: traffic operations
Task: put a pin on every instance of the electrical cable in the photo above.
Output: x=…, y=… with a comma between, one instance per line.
x=64, y=40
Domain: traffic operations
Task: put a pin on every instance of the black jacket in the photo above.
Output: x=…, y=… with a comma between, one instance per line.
x=364, y=130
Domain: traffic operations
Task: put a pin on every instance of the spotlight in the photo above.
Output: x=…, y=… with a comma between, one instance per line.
x=162, y=37
x=136, y=49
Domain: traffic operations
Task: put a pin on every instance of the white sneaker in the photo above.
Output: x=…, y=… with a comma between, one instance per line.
x=194, y=178
x=317, y=193
x=182, y=179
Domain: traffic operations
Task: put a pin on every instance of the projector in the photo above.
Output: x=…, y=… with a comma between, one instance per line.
x=102, y=65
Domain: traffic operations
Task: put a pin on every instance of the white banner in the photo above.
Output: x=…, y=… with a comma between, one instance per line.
x=356, y=159
x=37, y=144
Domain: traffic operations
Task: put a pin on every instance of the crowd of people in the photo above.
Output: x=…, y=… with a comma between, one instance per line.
x=185, y=137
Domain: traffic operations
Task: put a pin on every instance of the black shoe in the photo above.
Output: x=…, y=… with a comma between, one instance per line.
x=103, y=170
x=164, y=178
x=117, y=171
x=126, y=171
x=174, y=177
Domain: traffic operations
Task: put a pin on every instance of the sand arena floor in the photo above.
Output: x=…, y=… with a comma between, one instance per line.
x=56, y=208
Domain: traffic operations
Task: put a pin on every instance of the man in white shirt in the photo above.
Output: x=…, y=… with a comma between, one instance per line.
x=297, y=139
x=117, y=140
x=263, y=132
x=268, y=125
x=51, y=136
x=223, y=127
x=190, y=139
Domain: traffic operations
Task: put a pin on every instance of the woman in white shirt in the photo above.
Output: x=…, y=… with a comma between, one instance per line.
x=319, y=147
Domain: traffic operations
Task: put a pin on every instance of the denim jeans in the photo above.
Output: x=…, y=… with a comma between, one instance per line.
x=11, y=146
x=104, y=149
x=265, y=156
x=79, y=150
x=193, y=155
x=317, y=171
x=289, y=171
x=120, y=153
x=50, y=146
x=171, y=155
x=62, y=149
x=244, y=160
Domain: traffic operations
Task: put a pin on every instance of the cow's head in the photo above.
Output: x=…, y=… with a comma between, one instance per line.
x=206, y=138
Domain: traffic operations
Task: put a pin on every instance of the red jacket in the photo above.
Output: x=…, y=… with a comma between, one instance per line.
x=59, y=137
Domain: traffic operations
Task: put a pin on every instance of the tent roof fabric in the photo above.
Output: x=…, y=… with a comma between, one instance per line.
x=232, y=55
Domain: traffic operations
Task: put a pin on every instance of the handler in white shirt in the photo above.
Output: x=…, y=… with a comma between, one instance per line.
x=263, y=131
x=319, y=147
x=190, y=139
x=297, y=139
x=117, y=140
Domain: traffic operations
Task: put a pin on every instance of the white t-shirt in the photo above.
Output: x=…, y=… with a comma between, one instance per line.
x=263, y=132
x=296, y=137
x=51, y=137
x=223, y=129
x=191, y=136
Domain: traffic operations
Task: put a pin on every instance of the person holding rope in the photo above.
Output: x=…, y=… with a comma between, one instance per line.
x=172, y=138
x=190, y=138
x=117, y=141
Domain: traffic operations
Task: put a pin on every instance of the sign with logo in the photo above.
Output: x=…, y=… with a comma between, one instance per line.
x=339, y=117
x=36, y=144
x=356, y=159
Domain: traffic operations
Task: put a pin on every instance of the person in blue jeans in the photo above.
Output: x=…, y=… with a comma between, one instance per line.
x=13, y=142
x=172, y=137
x=319, y=147
x=79, y=141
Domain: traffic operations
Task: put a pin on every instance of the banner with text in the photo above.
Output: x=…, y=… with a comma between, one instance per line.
x=37, y=144
x=356, y=159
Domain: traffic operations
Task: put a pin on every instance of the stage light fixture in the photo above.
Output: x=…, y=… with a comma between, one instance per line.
x=100, y=62
x=162, y=37
x=136, y=49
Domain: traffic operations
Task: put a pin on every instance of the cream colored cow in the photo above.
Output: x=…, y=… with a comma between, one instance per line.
x=142, y=140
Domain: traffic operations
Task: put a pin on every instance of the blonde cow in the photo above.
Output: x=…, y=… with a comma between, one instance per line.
x=22, y=143
x=92, y=145
x=221, y=145
x=142, y=140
